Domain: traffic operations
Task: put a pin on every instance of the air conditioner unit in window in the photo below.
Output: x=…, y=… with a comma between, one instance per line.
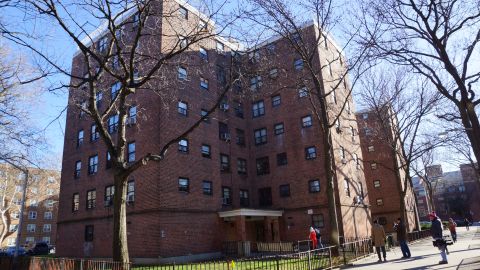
x=225, y=136
x=224, y=107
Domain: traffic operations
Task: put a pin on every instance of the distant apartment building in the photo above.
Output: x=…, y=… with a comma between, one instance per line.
x=384, y=184
x=454, y=193
x=41, y=205
x=252, y=172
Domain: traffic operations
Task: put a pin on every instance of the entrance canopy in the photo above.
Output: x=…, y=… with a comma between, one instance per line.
x=250, y=213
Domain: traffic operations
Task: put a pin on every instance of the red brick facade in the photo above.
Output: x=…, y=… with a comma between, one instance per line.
x=164, y=221
x=382, y=183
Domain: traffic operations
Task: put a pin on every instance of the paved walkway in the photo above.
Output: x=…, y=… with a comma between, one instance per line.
x=464, y=254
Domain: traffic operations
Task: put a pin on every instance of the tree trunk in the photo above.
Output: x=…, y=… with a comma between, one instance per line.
x=472, y=129
x=332, y=205
x=5, y=226
x=120, y=247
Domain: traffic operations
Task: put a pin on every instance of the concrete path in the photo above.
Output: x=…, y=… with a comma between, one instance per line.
x=464, y=254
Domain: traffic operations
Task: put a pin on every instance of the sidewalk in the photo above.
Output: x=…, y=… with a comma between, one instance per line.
x=464, y=254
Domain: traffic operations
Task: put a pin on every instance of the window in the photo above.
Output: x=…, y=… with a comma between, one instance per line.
x=258, y=109
x=240, y=137
x=108, y=161
x=334, y=96
x=298, y=64
x=83, y=108
x=227, y=195
x=113, y=123
x=94, y=135
x=183, y=184
x=32, y=215
x=276, y=100
x=91, y=198
x=263, y=166
x=303, y=92
x=183, y=12
x=356, y=160
x=18, y=188
x=371, y=148
x=307, y=121
x=224, y=163
x=207, y=187
x=238, y=108
x=255, y=82
x=34, y=190
x=352, y=132
x=346, y=186
x=260, y=136
x=203, y=54
x=295, y=37
x=131, y=152
x=265, y=196
x=373, y=166
x=318, y=221
x=108, y=196
x=183, y=108
x=206, y=151
x=203, y=83
x=29, y=239
x=273, y=73
x=80, y=138
x=254, y=57
x=47, y=228
x=224, y=134
x=11, y=241
x=284, y=190
x=75, y=202
x=278, y=128
x=182, y=73
x=78, y=168
x=241, y=166
x=51, y=180
x=31, y=227
x=282, y=159
x=244, y=198
x=330, y=69
x=33, y=203
x=314, y=186
x=310, y=152
x=365, y=116
x=46, y=239
x=183, y=146
x=130, y=192
x=379, y=202
x=347, y=107
x=337, y=125
x=13, y=228
x=220, y=47
x=115, y=89
x=342, y=154
x=203, y=113
x=89, y=233
x=47, y=215
x=93, y=164
x=48, y=203
x=16, y=215
x=367, y=131
x=183, y=42
x=221, y=76
x=102, y=44
x=132, y=115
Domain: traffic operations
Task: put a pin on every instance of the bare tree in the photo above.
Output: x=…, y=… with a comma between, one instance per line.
x=438, y=40
x=420, y=168
x=139, y=45
x=402, y=107
x=325, y=76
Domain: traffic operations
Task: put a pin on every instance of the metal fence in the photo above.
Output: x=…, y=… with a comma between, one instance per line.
x=323, y=258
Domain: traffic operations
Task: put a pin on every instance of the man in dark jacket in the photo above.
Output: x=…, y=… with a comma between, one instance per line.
x=437, y=235
x=402, y=238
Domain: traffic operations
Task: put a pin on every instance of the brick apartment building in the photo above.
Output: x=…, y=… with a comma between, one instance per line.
x=383, y=184
x=454, y=193
x=252, y=172
x=41, y=205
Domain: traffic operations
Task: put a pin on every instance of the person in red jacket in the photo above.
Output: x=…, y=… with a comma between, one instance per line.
x=313, y=238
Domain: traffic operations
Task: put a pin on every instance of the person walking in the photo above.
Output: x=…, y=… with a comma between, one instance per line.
x=313, y=238
x=402, y=238
x=319, y=238
x=437, y=235
x=452, y=227
x=467, y=224
x=378, y=239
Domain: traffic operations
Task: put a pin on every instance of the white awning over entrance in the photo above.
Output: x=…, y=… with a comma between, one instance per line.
x=251, y=213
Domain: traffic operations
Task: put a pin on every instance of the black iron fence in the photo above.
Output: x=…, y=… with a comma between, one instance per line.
x=295, y=259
